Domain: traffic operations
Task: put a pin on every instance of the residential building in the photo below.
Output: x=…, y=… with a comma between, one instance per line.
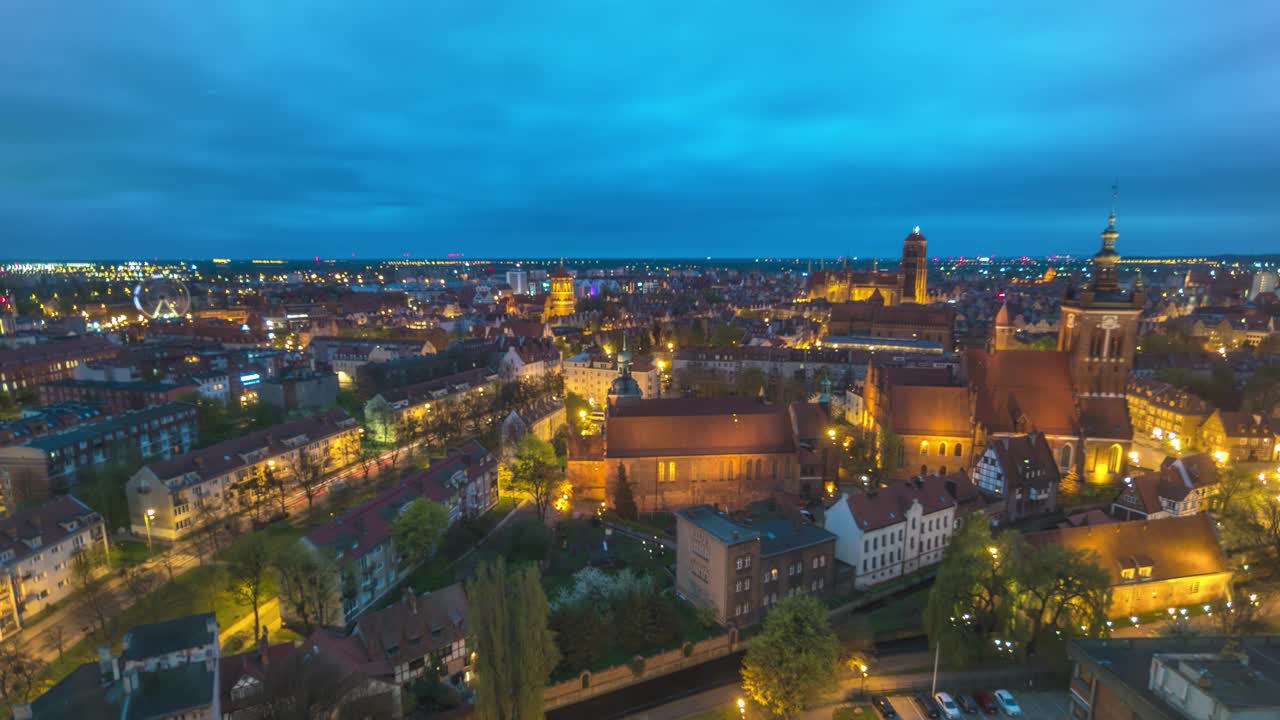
x=30, y=366
x=1020, y=473
x=590, y=375
x=40, y=420
x=56, y=462
x=37, y=546
x=419, y=635
x=897, y=529
x=528, y=359
x=300, y=389
x=413, y=408
x=739, y=568
x=360, y=539
x=1154, y=564
x=117, y=397
x=249, y=678
x=1163, y=412
x=213, y=385
x=165, y=671
x=171, y=498
x=1175, y=678
x=1232, y=436
x=1182, y=486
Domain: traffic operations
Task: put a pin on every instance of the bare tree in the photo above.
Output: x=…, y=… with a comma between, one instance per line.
x=86, y=566
x=142, y=585
x=168, y=558
x=308, y=472
x=309, y=583
x=19, y=673
x=247, y=574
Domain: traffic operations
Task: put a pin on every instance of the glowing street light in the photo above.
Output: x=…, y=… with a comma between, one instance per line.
x=146, y=520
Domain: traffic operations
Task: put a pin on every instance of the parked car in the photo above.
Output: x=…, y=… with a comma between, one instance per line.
x=967, y=705
x=1007, y=704
x=985, y=702
x=927, y=705
x=882, y=706
x=950, y=709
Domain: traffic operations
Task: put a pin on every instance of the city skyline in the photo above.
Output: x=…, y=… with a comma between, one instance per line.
x=629, y=131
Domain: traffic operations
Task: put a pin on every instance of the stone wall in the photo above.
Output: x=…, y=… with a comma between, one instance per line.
x=591, y=684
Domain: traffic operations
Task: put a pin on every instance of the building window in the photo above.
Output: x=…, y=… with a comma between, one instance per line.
x=957, y=449
x=1113, y=458
x=1064, y=457
x=942, y=449
x=924, y=448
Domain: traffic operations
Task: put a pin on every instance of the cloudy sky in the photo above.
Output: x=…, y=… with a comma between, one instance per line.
x=294, y=128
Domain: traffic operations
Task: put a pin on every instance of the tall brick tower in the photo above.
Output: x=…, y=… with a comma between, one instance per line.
x=913, y=276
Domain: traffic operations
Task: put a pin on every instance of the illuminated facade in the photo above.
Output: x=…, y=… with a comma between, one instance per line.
x=560, y=302
x=909, y=284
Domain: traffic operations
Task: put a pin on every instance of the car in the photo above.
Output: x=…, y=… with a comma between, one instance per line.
x=950, y=709
x=967, y=705
x=1007, y=704
x=883, y=706
x=985, y=702
x=927, y=705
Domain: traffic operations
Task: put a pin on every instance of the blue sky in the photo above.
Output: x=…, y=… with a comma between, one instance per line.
x=177, y=128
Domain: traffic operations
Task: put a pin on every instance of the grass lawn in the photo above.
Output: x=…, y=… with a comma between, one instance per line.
x=904, y=613
x=856, y=711
x=724, y=712
x=127, y=553
x=580, y=543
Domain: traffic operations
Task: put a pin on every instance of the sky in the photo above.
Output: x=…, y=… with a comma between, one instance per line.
x=541, y=128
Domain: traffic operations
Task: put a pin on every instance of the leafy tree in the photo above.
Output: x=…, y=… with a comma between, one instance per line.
x=793, y=658
x=247, y=574
x=514, y=646
x=624, y=501
x=581, y=636
x=418, y=529
x=535, y=471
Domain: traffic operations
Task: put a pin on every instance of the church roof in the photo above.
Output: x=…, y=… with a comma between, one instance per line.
x=929, y=410
x=1011, y=384
x=687, y=426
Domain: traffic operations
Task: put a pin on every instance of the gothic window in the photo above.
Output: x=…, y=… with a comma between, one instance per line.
x=1064, y=457
x=1113, y=458
x=957, y=449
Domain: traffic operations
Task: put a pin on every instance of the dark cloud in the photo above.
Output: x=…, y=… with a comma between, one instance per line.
x=303, y=127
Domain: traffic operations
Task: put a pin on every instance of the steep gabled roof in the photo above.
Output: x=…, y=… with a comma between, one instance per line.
x=1173, y=547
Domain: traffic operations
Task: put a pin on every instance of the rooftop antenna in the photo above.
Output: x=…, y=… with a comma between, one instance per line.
x=1115, y=193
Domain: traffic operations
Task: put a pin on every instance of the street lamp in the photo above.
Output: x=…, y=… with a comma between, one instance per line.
x=742, y=707
x=146, y=520
x=863, y=669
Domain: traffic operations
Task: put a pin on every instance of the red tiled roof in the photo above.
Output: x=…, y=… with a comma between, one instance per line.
x=682, y=426
x=888, y=505
x=1023, y=383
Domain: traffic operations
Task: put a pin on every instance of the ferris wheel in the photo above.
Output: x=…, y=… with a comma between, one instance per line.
x=160, y=298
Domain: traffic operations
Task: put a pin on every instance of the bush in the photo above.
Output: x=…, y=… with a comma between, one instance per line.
x=237, y=642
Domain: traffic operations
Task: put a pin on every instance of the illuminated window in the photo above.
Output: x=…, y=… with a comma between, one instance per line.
x=942, y=449
x=924, y=448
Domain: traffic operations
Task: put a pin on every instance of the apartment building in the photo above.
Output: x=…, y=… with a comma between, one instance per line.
x=1182, y=486
x=56, y=462
x=1238, y=437
x=412, y=407
x=590, y=374
x=117, y=396
x=890, y=531
x=36, y=550
x=739, y=567
x=360, y=540
x=1165, y=413
x=31, y=366
x=171, y=498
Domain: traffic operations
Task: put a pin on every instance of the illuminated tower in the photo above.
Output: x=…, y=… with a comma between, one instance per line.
x=1099, y=327
x=913, y=275
x=560, y=303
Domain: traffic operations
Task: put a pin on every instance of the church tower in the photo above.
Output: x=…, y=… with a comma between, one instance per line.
x=560, y=303
x=1099, y=325
x=914, y=272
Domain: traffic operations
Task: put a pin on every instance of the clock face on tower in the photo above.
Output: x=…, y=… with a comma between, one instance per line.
x=1110, y=322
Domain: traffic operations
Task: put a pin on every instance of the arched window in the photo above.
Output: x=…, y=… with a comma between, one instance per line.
x=942, y=449
x=1064, y=457
x=1113, y=458
x=958, y=446
x=942, y=470
x=924, y=448
x=924, y=470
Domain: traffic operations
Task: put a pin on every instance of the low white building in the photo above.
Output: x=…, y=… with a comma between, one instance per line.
x=894, y=530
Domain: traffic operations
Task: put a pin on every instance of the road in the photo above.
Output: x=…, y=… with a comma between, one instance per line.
x=72, y=622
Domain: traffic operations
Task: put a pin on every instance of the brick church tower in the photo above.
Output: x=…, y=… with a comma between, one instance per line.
x=913, y=275
x=1099, y=326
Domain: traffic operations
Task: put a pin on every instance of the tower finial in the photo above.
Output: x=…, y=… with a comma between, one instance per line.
x=1115, y=194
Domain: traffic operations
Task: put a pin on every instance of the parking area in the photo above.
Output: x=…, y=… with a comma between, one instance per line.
x=1035, y=706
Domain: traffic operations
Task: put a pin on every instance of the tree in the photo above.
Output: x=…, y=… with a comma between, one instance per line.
x=247, y=574
x=418, y=529
x=86, y=564
x=308, y=583
x=535, y=471
x=142, y=584
x=624, y=501
x=20, y=673
x=581, y=636
x=793, y=657
x=515, y=650
x=308, y=471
